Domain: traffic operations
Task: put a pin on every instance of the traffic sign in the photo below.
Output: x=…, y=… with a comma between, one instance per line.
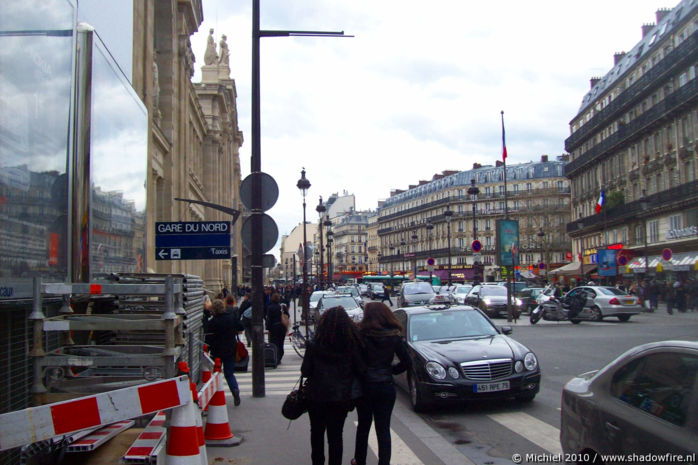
x=430, y=261
x=270, y=232
x=622, y=260
x=192, y=240
x=541, y=266
x=666, y=254
x=269, y=193
x=476, y=245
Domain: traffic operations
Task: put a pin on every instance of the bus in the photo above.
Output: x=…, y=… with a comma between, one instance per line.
x=395, y=281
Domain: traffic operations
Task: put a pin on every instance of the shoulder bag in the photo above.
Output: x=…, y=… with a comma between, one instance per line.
x=296, y=403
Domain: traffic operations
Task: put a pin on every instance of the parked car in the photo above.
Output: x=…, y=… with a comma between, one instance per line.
x=528, y=297
x=445, y=294
x=644, y=402
x=460, y=292
x=414, y=293
x=376, y=291
x=313, y=301
x=457, y=353
x=603, y=301
x=363, y=289
x=352, y=291
x=491, y=299
x=349, y=303
x=517, y=285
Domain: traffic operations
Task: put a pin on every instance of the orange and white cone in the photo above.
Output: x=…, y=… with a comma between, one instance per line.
x=182, y=440
x=205, y=374
x=217, y=432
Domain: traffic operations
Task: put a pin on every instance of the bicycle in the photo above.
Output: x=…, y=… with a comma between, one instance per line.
x=298, y=340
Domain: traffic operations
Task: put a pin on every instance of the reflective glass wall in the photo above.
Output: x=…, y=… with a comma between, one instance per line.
x=36, y=78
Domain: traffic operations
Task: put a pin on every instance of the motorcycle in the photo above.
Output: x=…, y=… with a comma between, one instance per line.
x=559, y=309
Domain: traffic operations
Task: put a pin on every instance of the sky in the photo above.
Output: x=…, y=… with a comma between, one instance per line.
x=419, y=88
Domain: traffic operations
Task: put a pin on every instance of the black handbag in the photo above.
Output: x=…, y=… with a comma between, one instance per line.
x=296, y=403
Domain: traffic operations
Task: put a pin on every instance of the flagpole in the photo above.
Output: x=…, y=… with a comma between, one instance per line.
x=510, y=310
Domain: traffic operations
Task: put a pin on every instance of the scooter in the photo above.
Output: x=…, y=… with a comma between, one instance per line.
x=559, y=309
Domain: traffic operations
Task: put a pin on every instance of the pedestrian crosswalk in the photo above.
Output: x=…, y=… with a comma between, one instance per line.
x=278, y=381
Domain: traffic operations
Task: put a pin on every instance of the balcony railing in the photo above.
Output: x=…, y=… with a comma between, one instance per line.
x=678, y=57
x=678, y=100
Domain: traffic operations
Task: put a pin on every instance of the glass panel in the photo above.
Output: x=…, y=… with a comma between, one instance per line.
x=36, y=53
x=118, y=170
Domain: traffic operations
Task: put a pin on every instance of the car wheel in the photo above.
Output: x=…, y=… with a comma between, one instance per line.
x=416, y=397
x=623, y=318
x=526, y=397
x=596, y=314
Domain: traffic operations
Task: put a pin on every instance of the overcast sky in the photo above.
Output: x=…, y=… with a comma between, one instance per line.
x=418, y=90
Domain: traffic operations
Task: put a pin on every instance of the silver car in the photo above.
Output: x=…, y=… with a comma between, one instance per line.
x=348, y=302
x=460, y=292
x=603, y=301
x=415, y=293
x=644, y=403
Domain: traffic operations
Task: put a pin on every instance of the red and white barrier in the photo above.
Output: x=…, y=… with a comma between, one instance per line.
x=146, y=444
x=182, y=437
x=99, y=437
x=47, y=421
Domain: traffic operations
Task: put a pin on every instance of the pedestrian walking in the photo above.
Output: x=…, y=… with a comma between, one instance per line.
x=275, y=326
x=246, y=317
x=223, y=332
x=334, y=367
x=386, y=294
x=380, y=334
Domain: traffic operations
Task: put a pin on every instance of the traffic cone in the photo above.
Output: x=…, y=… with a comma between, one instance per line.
x=183, y=368
x=205, y=373
x=182, y=441
x=217, y=432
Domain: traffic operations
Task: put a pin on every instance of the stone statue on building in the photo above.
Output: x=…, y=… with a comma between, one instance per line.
x=211, y=57
x=225, y=54
x=156, y=90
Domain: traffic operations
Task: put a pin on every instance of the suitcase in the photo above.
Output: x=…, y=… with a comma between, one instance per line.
x=270, y=354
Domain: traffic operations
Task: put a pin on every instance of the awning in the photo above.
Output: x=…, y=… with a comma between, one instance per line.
x=683, y=261
x=573, y=269
x=527, y=274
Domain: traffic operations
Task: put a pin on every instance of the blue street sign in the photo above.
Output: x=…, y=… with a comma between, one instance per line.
x=192, y=240
x=476, y=245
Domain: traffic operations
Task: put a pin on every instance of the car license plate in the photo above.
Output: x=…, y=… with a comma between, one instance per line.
x=629, y=302
x=491, y=387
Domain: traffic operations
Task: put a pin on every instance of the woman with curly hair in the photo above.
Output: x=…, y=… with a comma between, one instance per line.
x=380, y=333
x=334, y=366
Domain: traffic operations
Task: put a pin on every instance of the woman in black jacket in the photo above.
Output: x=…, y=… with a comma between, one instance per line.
x=380, y=333
x=333, y=364
x=223, y=337
x=277, y=330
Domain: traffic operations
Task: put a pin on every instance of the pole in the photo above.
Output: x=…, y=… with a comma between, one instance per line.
x=294, y=289
x=506, y=217
x=256, y=219
x=304, y=293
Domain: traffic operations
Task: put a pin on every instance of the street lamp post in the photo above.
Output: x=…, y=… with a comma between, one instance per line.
x=541, y=235
x=320, y=209
x=448, y=214
x=303, y=184
x=430, y=228
x=402, y=256
x=379, y=256
x=473, y=190
x=330, y=236
x=414, y=251
x=392, y=251
x=644, y=203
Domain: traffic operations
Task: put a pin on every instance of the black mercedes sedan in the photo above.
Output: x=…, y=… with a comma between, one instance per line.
x=459, y=354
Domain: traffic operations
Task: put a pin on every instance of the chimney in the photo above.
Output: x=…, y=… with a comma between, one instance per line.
x=476, y=166
x=646, y=28
x=448, y=172
x=594, y=81
x=544, y=158
x=498, y=163
x=661, y=13
x=617, y=57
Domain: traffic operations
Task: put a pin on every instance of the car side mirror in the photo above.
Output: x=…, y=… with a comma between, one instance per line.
x=506, y=329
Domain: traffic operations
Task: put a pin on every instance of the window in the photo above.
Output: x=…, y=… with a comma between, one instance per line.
x=659, y=384
x=675, y=222
x=653, y=227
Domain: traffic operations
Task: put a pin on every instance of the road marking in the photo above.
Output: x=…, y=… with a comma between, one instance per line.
x=531, y=428
x=401, y=454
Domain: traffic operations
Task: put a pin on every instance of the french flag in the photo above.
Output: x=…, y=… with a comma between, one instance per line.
x=601, y=201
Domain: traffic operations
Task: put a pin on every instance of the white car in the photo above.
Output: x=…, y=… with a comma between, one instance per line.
x=314, y=299
x=460, y=292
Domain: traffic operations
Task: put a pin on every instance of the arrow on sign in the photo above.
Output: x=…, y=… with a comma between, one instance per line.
x=162, y=254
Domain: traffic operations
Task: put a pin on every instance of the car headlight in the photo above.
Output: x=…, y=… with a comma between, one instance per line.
x=487, y=301
x=436, y=370
x=530, y=361
x=518, y=302
x=453, y=373
x=518, y=366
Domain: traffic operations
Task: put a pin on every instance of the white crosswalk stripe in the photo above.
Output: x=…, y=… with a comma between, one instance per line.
x=531, y=428
x=401, y=454
x=278, y=381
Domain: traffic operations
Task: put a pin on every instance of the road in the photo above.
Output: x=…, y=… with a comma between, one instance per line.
x=490, y=433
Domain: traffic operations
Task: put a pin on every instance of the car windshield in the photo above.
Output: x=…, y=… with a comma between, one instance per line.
x=417, y=288
x=449, y=325
x=493, y=290
x=463, y=289
x=315, y=296
x=611, y=291
x=346, y=301
x=347, y=290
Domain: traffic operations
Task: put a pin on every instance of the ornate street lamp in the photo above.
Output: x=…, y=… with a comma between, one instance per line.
x=303, y=184
x=379, y=256
x=392, y=249
x=430, y=228
x=402, y=256
x=330, y=240
x=414, y=251
x=541, y=235
x=448, y=214
x=473, y=190
x=320, y=209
